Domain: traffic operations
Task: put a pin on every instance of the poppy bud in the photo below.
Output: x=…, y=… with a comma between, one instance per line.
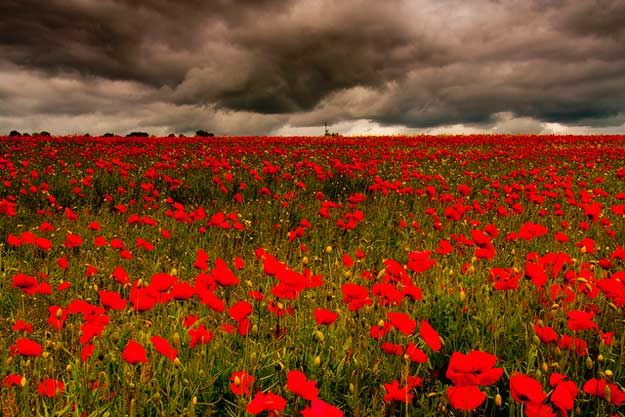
x=305, y=260
x=607, y=394
x=173, y=272
x=589, y=362
x=95, y=287
x=352, y=388
x=545, y=367
x=348, y=274
x=317, y=360
x=600, y=358
x=177, y=362
x=68, y=368
x=328, y=249
x=194, y=401
x=59, y=313
x=319, y=336
x=176, y=339
x=608, y=374
x=498, y=400
x=463, y=295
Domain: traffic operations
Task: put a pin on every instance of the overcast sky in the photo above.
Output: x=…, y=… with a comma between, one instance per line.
x=287, y=66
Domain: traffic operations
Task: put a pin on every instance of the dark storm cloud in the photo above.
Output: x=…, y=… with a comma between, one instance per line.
x=271, y=63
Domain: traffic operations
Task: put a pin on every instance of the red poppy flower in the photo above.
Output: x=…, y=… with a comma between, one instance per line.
x=299, y=385
x=323, y=316
x=94, y=226
x=163, y=347
x=182, y=291
x=525, y=389
x=12, y=379
x=26, y=283
x=402, y=322
x=134, y=353
x=120, y=275
x=355, y=296
x=240, y=310
x=43, y=244
x=320, y=408
x=430, y=336
x=209, y=298
x=112, y=300
x=51, y=387
x=392, y=349
x=86, y=352
x=27, y=347
x=56, y=316
x=564, y=392
x=201, y=260
x=199, y=335
x=241, y=383
x=465, y=397
x=396, y=393
x=265, y=402
x=72, y=240
x=546, y=334
x=94, y=326
x=474, y=368
x=539, y=410
x=22, y=325
x=348, y=262
x=420, y=261
x=387, y=294
x=609, y=392
x=62, y=263
x=223, y=275
x=239, y=263
x=580, y=320
x=415, y=354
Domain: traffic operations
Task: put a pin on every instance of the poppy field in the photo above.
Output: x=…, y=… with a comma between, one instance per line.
x=312, y=276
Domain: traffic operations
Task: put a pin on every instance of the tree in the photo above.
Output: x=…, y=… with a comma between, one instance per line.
x=15, y=133
x=138, y=134
x=204, y=133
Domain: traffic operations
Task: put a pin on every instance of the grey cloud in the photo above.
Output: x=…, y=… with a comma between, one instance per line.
x=270, y=63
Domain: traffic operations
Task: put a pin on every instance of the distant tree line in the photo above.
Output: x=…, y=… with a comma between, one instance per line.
x=15, y=133
x=199, y=133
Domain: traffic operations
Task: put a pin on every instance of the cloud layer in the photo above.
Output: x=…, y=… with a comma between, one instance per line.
x=286, y=67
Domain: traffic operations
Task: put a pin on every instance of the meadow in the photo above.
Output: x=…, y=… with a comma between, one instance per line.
x=312, y=276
